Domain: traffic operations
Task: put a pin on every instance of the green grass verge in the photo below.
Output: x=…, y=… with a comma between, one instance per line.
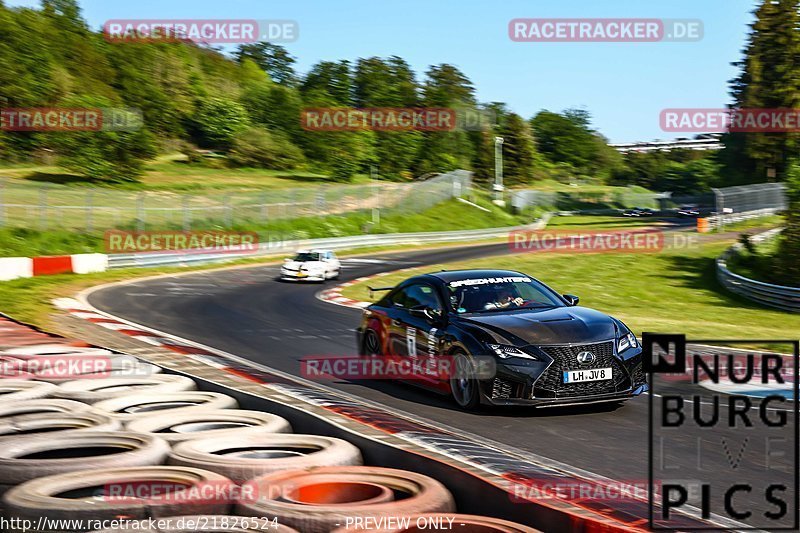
x=448, y=215
x=600, y=222
x=557, y=186
x=173, y=173
x=771, y=221
x=670, y=292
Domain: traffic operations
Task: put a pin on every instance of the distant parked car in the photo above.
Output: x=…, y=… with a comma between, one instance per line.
x=688, y=210
x=639, y=212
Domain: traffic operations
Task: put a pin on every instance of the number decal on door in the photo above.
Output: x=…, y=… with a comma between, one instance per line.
x=411, y=341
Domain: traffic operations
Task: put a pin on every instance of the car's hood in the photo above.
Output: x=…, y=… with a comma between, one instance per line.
x=295, y=265
x=558, y=325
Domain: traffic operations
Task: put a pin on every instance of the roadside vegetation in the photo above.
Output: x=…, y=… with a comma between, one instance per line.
x=448, y=215
x=236, y=117
x=175, y=173
x=675, y=291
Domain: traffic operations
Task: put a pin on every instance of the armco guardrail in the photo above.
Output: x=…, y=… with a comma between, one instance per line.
x=719, y=221
x=334, y=243
x=779, y=296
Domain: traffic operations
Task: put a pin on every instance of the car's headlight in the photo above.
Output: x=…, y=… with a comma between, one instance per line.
x=504, y=351
x=626, y=341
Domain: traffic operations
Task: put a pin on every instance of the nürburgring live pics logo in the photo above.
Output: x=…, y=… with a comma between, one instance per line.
x=722, y=439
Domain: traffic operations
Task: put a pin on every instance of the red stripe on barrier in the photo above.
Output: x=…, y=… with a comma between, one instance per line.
x=56, y=264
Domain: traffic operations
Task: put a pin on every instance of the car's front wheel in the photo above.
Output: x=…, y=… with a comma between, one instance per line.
x=464, y=388
x=372, y=345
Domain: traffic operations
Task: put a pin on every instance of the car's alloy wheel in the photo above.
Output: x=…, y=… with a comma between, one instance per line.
x=463, y=385
x=372, y=346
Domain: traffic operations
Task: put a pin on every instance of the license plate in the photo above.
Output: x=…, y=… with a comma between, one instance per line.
x=594, y=374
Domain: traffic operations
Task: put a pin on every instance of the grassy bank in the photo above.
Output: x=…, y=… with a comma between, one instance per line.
x=557, y=186
x=670, y=292
x=174, y=173
x=600, y=222
x=448, y=215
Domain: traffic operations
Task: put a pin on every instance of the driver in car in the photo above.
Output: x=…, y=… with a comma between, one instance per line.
x=505, y=298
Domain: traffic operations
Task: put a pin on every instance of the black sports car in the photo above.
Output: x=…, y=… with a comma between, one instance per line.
x=544, y=349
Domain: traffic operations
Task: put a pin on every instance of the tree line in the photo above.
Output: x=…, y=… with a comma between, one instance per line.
x=769, y=78
x=247, y=105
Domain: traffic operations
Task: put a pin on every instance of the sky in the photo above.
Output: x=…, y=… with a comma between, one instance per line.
x=624, y=86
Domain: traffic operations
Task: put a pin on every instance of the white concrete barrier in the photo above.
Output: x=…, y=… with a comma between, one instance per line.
x=86, y=263
x=15, y=267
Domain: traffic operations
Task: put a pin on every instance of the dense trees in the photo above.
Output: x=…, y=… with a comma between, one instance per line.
x=247, y=105
x=789, y=245
x=769, y=78
x=568, y=140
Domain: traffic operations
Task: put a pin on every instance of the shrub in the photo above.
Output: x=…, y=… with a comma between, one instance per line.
x=258, y=147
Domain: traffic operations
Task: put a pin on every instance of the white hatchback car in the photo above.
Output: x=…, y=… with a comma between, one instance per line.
x=311, y=265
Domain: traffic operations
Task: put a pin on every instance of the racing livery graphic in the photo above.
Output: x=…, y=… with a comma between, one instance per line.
x=547, y=350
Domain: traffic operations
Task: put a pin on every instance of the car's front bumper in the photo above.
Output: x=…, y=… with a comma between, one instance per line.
x=301, y=276
x=561, y=402
x=541, y=382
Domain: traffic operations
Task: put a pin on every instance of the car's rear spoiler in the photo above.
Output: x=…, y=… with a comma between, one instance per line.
x=377, y=289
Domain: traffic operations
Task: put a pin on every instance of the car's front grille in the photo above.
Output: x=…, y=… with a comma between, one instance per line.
x=551, y=383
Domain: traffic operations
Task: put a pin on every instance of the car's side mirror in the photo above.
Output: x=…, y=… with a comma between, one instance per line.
x=571, y=299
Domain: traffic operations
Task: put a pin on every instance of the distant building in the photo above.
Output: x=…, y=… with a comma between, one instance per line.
x=705, y=141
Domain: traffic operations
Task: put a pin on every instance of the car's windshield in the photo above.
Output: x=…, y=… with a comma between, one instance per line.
x=477, y=295
x=306, y=256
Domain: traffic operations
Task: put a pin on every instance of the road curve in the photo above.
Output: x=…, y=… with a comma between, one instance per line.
x=246, y=312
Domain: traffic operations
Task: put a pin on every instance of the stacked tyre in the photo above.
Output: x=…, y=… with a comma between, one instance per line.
x=130, y=441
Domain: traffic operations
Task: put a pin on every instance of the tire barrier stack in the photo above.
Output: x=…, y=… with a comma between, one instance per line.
x=140, y=450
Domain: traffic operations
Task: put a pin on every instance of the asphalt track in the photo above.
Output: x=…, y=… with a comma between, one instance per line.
x=248, y=313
